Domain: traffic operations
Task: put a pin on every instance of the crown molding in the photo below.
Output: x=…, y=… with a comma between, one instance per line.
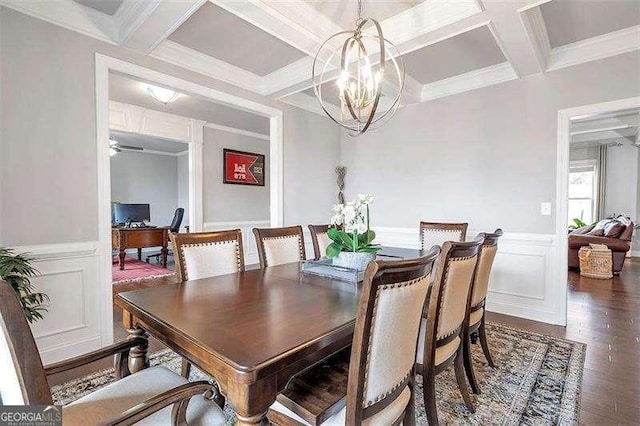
x=237, y=131
x=477, y=79
x=592, y=49
x=193, y=60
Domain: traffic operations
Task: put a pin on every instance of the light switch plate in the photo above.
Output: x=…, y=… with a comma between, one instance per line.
x=545, y=209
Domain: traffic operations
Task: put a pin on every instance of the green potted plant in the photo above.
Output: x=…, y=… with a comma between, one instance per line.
x=351, y=235
x=16, y=270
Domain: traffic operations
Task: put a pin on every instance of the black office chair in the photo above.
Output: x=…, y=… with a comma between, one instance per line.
x=174, y=227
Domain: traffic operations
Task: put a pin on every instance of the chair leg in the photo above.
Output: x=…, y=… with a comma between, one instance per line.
x=429, y=390
x=410, y=412
x=185, y=370
x=483, y=342
x=462, y=383
x=468, y=365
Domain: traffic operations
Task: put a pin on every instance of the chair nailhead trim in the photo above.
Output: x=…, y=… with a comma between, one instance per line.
x=375, y=310
x=213, y=243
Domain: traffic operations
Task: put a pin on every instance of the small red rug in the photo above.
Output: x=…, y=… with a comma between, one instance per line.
x=136, y=270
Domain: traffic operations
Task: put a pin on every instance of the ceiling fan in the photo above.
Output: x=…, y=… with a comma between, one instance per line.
x=115, y=147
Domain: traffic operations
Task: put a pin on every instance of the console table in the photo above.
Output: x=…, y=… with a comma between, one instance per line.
x=139, y=238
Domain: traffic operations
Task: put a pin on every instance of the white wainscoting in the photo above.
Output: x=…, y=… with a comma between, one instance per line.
x=69, y=275
x=522, y=279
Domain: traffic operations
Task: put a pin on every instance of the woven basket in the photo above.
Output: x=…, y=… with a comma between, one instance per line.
x=595, y=263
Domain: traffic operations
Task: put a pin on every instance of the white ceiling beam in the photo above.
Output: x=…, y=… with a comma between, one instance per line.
x=476, y=79
x=513, y=35
x=182, y=56
x=70, y=15
x=155, y=22
x=297, y=76
x=537, y=32
x=592, y=49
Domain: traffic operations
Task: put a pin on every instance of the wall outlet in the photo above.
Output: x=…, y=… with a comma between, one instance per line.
x=545, y=209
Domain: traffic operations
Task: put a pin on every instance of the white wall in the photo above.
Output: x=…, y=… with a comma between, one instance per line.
x=226, y=202
x=182, y=164
x=138, y=177
x=622, y=181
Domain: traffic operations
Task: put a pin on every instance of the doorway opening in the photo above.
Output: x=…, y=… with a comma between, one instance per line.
x=126, y=116
x=597, y=195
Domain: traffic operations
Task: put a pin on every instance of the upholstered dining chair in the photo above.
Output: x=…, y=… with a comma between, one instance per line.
x=380, y=384
x=277, y=246
x=320, y=239
x=436, y=233
x=441, y=331
x=474, y=326
x=206, y=254
x=146, y=397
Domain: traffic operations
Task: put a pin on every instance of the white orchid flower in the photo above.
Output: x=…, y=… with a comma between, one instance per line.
x=365, y=198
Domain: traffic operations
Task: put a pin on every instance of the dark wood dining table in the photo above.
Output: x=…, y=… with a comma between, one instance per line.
x=252, y=331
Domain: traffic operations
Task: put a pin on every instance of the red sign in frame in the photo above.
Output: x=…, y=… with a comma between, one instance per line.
x=243, y=168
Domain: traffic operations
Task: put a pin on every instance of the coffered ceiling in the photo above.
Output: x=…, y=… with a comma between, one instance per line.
x=267, y=46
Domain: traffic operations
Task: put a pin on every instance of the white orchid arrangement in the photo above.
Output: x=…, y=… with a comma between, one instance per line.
x=356, y=234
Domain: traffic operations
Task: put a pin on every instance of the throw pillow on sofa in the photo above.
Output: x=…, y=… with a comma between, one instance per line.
x=614, y=229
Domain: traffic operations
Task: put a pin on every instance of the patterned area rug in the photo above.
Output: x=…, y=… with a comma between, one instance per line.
x=136, y=270
x=536, y=382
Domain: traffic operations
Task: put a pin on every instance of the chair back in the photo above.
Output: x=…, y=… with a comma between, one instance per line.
x=320, y=240
x=436, y=233
x=23, y=379
x=277, y=246
x=177, y=220
x=486, y=257
x=385, y=339
x=207, y=254
x=450, y=292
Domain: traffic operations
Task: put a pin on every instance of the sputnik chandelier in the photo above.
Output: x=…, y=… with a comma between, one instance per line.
x=362, y=72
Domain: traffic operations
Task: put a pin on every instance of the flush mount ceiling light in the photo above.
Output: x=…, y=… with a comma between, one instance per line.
x=356, y=67
x=162, y=95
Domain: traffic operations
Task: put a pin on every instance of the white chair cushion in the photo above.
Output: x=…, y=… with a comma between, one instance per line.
x=117, y=397
x=211, y=259
x=384, y=417
x=437, y=237
x=442, y=353
x=280, y=250
x=323, y=243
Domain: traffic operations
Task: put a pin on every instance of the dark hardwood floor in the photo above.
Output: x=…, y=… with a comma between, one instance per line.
x=604, y=314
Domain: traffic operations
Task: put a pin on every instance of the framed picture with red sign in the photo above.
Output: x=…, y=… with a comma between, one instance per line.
x=243, y=168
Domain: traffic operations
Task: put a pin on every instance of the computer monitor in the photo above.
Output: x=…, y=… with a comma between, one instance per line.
x=126, y=213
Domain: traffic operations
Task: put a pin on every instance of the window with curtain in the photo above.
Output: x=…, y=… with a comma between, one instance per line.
x=583, y=191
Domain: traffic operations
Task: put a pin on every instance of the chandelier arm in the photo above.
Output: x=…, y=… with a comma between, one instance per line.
x=345, y=47
x=400, y=73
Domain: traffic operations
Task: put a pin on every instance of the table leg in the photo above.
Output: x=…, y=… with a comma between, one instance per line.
x=138, y=356
x=121, y=256
x=251, y=401
x=139, y=254
x=164, y=252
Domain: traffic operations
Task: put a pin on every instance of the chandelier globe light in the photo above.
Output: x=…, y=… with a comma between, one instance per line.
x=363, y=73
